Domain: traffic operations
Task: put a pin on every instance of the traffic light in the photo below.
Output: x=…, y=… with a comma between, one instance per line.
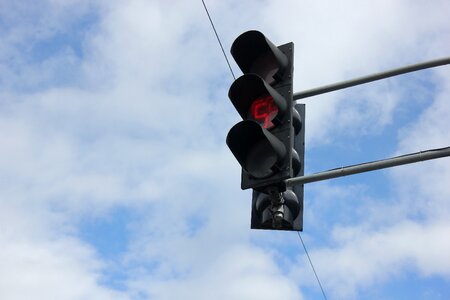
x=263, y=143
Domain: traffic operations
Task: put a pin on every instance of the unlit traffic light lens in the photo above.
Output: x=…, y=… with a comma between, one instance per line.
x=261, y=159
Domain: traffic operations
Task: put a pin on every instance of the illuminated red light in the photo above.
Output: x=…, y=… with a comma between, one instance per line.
x=263, y=110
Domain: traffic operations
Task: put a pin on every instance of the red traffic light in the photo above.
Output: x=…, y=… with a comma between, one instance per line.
x=263, y=110
x=254, y=99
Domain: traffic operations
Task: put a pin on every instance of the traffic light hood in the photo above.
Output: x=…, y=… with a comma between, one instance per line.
x=254, y=53
x=257, y=150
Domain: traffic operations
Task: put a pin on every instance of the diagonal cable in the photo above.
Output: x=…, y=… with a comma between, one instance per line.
x=218, y=39
x=312, y=266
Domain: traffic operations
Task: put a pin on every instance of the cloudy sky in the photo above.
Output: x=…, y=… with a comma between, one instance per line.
x=116, y=182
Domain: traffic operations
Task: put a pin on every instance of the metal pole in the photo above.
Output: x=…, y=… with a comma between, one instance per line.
x=371, y=166
x=369, y=78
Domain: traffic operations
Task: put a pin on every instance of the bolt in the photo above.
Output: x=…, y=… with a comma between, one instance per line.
x=277, y=219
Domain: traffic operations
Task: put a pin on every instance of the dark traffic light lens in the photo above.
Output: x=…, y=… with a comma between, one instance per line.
x=263, y=110
x=260, y=160
x=266, y=66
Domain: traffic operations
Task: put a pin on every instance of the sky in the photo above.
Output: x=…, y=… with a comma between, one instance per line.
x=116, y=182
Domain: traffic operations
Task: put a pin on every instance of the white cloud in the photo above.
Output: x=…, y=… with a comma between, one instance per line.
x=235, y=273
x=39, y=260
x=365, y=258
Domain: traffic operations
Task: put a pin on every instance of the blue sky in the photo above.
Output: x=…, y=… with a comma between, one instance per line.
x=116, y=182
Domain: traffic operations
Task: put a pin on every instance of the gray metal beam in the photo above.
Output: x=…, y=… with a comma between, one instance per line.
x=371, y=166
x=369, y=78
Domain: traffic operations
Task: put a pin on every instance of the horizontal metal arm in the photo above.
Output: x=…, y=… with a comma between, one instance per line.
x=371, y=166
x=369, y=78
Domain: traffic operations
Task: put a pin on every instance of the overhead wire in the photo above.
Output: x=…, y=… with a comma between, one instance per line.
x=312, y=266
x=218, y=39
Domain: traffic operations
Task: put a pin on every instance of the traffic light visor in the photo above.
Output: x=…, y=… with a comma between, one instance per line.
x=254, y=53
x=257, y=150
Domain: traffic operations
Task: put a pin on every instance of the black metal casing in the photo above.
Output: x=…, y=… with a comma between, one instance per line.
x=268, y=153
x=249, y=87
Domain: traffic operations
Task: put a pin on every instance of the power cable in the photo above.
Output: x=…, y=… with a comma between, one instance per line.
x=312, y=266
x=218, y=39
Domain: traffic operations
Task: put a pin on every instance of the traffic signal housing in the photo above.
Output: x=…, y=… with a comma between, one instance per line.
x=263, y=142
